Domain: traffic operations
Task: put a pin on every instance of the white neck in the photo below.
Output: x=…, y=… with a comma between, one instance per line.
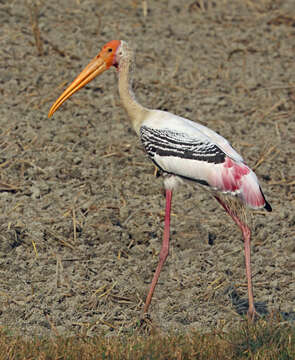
x=135, y=111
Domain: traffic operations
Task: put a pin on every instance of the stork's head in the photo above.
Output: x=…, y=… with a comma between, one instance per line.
x=110, y=55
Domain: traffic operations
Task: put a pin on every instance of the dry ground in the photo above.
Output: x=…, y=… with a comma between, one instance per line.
x=81, y=211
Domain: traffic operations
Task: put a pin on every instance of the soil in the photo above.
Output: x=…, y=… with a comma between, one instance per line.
x=81, y=208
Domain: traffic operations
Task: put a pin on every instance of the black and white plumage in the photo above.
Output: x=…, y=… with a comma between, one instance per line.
x=169, y=143
x=183, y=149
x=194, y=152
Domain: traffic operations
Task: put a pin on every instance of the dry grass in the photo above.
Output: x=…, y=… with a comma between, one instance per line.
x=264, y=340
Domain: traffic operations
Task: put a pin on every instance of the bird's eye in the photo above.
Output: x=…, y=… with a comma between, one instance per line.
x=110, y=49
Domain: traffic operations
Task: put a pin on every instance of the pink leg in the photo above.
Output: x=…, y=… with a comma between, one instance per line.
x=164, y=250
x=247, y=235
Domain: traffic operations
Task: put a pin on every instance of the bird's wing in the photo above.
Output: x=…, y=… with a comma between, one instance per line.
x=201, y=160
x=180, y=154
x=164, y=120
x=182, y=147
x=169, y=143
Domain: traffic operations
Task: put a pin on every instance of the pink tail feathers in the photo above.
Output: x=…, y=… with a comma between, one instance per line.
x=238, y=179
x=251, y=193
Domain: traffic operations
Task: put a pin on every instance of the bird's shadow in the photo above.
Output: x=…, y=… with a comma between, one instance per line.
x=241, y=306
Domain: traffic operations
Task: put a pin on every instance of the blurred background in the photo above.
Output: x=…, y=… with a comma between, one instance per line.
x=81, y=210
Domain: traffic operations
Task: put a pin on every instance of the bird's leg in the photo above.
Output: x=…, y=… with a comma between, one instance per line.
x=164, y=250
x=247, y=236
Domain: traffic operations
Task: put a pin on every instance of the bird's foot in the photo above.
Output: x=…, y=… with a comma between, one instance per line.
x=145, y=323
x=146, y=319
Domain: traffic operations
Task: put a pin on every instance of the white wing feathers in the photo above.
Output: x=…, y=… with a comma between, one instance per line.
x=161, y=120
x=179, y=154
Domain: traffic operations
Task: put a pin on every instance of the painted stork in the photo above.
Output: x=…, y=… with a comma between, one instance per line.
x=184, y=150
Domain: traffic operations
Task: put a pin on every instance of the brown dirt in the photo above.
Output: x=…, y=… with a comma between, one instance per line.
x=82, y=213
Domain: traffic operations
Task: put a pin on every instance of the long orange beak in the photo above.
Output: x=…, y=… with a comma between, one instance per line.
x=96, y=67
